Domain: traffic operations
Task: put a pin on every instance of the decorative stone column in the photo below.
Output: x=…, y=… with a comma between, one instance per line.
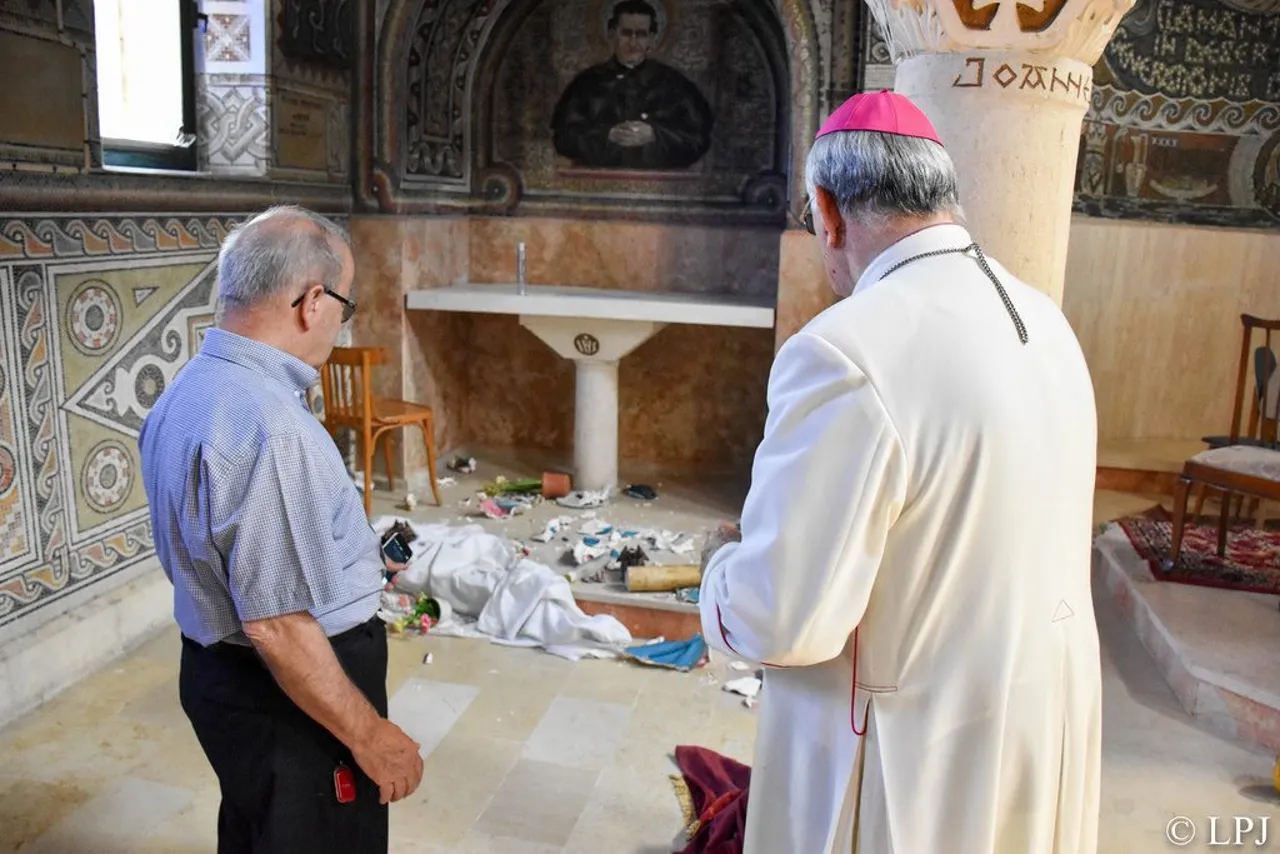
x=1006, y=85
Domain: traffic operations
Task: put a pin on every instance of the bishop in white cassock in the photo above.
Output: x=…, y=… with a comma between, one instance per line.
x=915, y=552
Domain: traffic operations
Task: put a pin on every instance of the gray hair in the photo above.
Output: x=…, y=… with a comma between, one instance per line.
x=276, y=250
x=879, y=175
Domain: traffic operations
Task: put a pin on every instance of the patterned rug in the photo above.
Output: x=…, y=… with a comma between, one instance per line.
x=1252, y=562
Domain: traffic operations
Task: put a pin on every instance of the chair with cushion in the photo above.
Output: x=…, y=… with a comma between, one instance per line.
x=349, y=403
x=1241, y=463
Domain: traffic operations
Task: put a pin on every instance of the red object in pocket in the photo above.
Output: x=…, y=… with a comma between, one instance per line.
x=344, y=785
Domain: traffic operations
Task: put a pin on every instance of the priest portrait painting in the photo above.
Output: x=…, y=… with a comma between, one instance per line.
x=631, y=111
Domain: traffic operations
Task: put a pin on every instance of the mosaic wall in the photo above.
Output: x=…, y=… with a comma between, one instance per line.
x=266, y=105
x=97, y=314
x=1185, y=120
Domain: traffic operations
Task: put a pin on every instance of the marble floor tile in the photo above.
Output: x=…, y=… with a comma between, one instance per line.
x=511, y=711
x=30, y=807
x=606, y=682
x=114, y=820
x=479, y=843
x=538, y=802
x=459, y=780
x=578, y=733
x=426, y=710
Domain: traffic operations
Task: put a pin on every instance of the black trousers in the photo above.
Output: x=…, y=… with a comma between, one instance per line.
x=275, y=765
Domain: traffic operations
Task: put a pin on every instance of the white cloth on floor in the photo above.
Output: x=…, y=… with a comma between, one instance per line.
x=514, y=600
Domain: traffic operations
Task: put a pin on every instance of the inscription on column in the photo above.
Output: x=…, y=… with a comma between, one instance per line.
x=1017, y=76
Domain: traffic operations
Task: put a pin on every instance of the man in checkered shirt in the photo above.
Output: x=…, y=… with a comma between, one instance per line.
x=276, y=572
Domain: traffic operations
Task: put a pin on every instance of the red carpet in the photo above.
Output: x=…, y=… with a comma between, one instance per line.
x=1252, y=562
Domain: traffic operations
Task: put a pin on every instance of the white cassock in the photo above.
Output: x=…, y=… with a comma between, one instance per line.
x=928, y=479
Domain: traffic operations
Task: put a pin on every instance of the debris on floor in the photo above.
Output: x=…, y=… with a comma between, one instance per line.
x=550, y=485
x=640, y=492
x=551, y=529
x=747, y=686
x=445, y=482
x=662, y=578
x=493, y=510
x=494, y=591
x=689, y=595
x=583, y=499
x=463, y=465
x=403, y=612
x=677, y=655
x=410, y=501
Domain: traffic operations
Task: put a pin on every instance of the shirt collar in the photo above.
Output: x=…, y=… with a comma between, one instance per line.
x=930, y=239
x=275, y=364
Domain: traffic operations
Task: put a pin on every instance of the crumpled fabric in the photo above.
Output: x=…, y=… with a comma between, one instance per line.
x=513, y=600
x=677, y=655
x=717, y=787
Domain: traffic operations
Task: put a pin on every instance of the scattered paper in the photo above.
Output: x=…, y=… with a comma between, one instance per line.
x=747, y=686
x=551, y=530
x=493, y=510
x=446, y=481
x=739, y=665
x=428, y=658
x=595, y=528
x=585, y=552
x=584, y=499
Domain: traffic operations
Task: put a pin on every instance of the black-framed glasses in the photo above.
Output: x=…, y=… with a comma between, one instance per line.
x=348, y=306
x=808, y=216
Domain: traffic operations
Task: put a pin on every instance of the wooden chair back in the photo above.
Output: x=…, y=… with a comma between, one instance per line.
x=347, y=380
x=1264, y=402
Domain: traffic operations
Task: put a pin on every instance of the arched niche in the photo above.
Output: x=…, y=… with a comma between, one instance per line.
x=443, y=141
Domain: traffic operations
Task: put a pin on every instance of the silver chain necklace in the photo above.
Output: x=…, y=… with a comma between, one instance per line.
x=986, y=268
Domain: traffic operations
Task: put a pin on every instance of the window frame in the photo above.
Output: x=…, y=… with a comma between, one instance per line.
x=140, y=154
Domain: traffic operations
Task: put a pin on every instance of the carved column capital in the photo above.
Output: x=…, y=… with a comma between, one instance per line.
x=1072, y=29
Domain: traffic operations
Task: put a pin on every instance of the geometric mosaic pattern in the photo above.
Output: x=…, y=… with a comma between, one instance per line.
x=227, y=38
x=97, y=314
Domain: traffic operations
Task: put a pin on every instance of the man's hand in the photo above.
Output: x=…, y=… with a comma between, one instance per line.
x=392, y=566
x=725, y=533
x=632, y=134
x=391, y=760
x=302, y=661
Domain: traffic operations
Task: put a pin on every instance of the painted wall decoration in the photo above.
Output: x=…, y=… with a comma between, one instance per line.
x=649, y=108
x=320, y=31
x=632, y=111
x=639, y=97
x=97, y=315
x=1184, y=124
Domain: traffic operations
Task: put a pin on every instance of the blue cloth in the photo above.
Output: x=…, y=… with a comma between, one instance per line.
x=253, y=511
x=678, y=655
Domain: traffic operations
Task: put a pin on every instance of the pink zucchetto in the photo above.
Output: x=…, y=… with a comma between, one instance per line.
x=885, y=112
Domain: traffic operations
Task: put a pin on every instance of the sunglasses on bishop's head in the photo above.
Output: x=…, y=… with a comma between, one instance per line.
x=348, y=306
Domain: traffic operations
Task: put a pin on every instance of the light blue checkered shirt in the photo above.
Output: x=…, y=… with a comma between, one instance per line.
x=254, y=513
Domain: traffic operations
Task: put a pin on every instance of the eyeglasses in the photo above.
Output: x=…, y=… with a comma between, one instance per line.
x=348, y=306
x=808, y=216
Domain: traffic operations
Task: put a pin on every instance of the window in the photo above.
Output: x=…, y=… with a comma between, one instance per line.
x=146, y=82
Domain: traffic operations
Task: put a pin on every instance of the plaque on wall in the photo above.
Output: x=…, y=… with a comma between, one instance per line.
x=319, y=31
x=1184, y=125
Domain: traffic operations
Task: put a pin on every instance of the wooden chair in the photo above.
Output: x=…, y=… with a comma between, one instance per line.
x=1264, y=401
x=347, y=381
x=1242, y=463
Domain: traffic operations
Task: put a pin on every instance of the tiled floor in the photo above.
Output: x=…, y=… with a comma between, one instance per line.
x=531, y=754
